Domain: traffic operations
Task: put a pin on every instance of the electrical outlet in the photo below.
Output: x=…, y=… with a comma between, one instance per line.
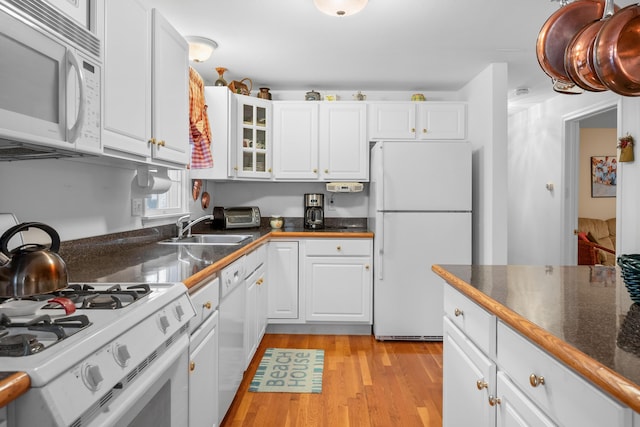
x=331, y=206
x=136, y=207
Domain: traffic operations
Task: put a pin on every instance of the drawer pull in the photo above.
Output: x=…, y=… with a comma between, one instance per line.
x=535, y=380
x=493, y=401
x=207, y=305
x=481, y=384
x=192, y=366
x=457, y=312
x=338, y=248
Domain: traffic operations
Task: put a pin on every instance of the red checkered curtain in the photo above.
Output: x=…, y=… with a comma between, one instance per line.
x=199, y=128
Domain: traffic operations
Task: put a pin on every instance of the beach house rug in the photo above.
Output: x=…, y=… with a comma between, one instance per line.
x=289, y=370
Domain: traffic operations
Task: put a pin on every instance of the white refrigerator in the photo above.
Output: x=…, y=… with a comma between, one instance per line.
x=420, y=211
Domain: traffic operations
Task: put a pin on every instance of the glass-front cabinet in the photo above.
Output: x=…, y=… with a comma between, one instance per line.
x=254, y=134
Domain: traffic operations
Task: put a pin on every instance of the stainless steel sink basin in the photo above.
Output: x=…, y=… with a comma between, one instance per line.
x=208, y=239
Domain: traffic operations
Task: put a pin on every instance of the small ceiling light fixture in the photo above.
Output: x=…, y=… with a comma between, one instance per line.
x=340, y=7
x=200, y=48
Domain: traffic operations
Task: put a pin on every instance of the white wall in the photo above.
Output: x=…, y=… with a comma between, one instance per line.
x=77, y=199
x=486, y=125
x=535, y=157
x=286, y=198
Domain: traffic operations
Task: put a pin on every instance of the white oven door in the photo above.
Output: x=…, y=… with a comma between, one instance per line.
x=159, y=398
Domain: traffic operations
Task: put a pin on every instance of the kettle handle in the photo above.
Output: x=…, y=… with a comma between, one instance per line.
x=7, y=235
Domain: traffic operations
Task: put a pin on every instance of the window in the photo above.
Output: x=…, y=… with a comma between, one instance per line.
x=171, y=203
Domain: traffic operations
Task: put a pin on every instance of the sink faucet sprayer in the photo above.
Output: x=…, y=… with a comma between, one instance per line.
x=187, y=228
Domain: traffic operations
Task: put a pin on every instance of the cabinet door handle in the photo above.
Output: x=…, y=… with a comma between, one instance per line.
x=424, y=130
x=536, y=380
x=152, y=141
x=315, y=170
x=366, y=267
x=480, y=384
x=413, y=130
x=493, y=401
x=457, y=312
x=207, y=305
x=192, y=366
x=326, y=171
x=162, y=143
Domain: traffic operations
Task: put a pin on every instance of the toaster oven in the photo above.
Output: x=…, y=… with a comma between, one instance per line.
x=236, y=217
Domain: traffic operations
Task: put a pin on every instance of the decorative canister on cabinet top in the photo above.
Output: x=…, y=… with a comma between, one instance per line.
x=312, y=96
x=276, y=222
x=264, y=93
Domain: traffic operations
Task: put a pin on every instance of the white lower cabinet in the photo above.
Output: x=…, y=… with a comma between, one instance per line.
x=338, y=280
x=501, y=378
x=469, y=381
x=563, y=395
x=255, y=266
x=282, y=276
x=515, y=409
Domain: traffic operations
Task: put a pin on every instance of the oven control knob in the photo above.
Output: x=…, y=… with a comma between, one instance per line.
x=121, y=354
x=164, y=323
x=92, y=376
x=179, y=312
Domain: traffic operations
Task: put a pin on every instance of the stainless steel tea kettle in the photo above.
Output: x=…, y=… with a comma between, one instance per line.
x=32, y=268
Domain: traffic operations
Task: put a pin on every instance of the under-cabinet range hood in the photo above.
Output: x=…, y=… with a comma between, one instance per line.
x=14, y=150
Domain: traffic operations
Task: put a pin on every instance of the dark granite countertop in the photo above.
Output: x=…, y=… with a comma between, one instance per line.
x=586, y=307
x=139, y=258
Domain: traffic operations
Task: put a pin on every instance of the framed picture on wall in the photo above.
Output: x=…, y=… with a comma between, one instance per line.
x=603, y=176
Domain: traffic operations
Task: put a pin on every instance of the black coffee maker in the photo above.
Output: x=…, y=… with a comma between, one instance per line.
x=314, y=211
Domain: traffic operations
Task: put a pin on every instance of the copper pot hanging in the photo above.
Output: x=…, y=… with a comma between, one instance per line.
x=557, y=32
x=617, y=52
x=578, y=61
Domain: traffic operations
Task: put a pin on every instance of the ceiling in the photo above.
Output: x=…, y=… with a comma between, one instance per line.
x=396, y=45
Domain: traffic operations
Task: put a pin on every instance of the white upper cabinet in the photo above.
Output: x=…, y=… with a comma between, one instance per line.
x=127, y=76
x=221, y=107
x=295, y=140
x=170, y=94
x=320, y=141
x=344, y=149
x=254, y=137
x=145, y=92
x=417, y=120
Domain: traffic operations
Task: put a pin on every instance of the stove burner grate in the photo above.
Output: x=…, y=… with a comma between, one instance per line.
x=20, y=345
x=24, y=343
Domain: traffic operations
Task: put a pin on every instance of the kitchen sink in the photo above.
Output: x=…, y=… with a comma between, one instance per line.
x=207, y=239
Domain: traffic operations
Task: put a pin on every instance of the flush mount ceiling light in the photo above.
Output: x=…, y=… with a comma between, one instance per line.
x=200, y=48
x=340, y=7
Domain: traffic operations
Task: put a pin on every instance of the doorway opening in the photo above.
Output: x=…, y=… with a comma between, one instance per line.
x=590, y=138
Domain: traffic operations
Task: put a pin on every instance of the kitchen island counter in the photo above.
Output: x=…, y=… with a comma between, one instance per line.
x=581, y=315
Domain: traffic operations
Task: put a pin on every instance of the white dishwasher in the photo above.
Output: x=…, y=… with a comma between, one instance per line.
x=232, y=329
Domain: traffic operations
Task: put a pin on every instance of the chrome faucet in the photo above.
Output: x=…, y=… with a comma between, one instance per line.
x=187, y=228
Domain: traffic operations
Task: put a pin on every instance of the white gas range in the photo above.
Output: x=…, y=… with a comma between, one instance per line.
x=119, y=356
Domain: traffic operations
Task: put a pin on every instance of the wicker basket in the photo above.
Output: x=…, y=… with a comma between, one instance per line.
x=240, y=87
x=630, y=265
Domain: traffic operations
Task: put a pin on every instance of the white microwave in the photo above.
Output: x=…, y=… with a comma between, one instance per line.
x=50, y=77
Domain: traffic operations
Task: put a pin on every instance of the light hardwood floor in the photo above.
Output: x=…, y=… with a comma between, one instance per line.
x=365, y=383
